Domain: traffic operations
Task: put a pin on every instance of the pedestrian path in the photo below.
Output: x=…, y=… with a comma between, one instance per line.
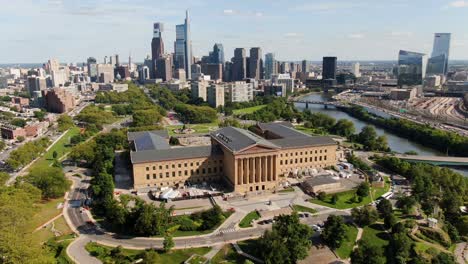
x=77, y=252
x=214, y=250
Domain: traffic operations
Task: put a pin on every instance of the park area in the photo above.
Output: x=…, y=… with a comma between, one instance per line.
x=121, y=255
x=248, y=110
x=197, y=128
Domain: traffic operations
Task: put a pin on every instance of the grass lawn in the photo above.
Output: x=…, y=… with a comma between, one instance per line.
x=247, y=220
x=175, y=256
x=286, y=190
x=45, y=211
x=376, y=235
x=180, y=233
x=248, y=110
x=58, y=246
x=310, y=131
x=45, y=234
x=345, y=199
x=348, y=243
x=300, y=208
x=196, y=259
x=227, y=255
x=199, y=128
x=62, y=147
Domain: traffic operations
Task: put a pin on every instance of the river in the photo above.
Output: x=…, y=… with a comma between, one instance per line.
x=395, y=142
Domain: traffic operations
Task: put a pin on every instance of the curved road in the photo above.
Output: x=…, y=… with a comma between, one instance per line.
x=81, y=223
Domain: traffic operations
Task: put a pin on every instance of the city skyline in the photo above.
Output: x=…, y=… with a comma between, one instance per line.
x=124, y=28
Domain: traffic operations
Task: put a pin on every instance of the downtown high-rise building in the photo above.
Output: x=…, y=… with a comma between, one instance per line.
x=217, y=55
x=329, y=68
x=183, y=47
x=438, y=63
x=239, y=65
x=305, y=66
x=256, y=64
x=157, y=44
x=270, y=65
x=411, y=68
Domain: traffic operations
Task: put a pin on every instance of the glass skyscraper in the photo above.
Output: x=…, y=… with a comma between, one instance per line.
x=183, y=47
x=411, y=68
x=270, y=63
x=438, y=63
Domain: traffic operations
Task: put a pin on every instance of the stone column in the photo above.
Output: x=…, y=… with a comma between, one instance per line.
x=244, y=174
x=269, y=168
x=274, y=167
x=251, y=170
x=238, y=171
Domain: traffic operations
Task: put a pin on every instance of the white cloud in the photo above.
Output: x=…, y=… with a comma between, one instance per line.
x=228, y=11
x=401, y=34
x=258, y=14
x=460, y=3
x=293, y=35
x=356, y=36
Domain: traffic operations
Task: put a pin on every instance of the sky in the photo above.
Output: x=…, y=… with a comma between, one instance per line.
x=32, y=31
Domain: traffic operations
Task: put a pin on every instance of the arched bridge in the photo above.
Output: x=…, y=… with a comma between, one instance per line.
x=435, y=160
x=324, y=103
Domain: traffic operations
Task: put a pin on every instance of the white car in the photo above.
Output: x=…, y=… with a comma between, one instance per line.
x=316, y=228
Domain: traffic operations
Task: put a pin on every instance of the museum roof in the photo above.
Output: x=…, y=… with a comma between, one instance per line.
x=174, y=154
x=236, y=139
x=307, y=141
x=149, y=140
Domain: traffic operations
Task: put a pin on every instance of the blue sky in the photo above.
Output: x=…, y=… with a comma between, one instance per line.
x=72, y=30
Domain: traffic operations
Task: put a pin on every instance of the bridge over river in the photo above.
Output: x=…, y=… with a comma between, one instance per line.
x=435, y=160
x=324, y=103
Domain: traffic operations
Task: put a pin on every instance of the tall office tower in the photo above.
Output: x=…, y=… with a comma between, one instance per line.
x=183, y=46
x=196, y=71
x=59, y=77
x=356, y=69
x=148, y=62
x=105, y=59
x=35, y=85
x=329, y=68
x=214, y=70
x=305, y=66
x=256, y=64
x=164, y=66
x=92, y=68
x=144, y=74
x=411, y=68
x=53, y=65
x=270, y=65
x=227, y=71
x=180, y=75
x=157, y=44
x=239, y=91
x=117, y=60
x=105, y=73
x=198, y=89
x=215, y=95
x=112, y=60
x=283, y=79
x=217, y=56
x=284, y=67
x=438, y=63
x=239, y=65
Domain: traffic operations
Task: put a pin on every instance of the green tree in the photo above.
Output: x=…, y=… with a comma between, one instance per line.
x=2, y=145
x=322, y=196
x=4, y=177
x=400, y=245
x=54, y=154
x=19, y=122
x=367, y=253
x=363, y=189
x=64, y=122
x=40, y=115
x=146, y=117
x=50, y=180
x=288, y=242
x=20, y=138
x=365, y=215
x=344, y=128
x=390, y=220
x=334, y=231
x=334, y=198
x=406, y=203
x=443, y=258
x=384, y=207
x=150, y=256
x=168, y=243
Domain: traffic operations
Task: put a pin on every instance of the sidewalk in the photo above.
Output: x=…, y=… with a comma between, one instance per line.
x=77, y=252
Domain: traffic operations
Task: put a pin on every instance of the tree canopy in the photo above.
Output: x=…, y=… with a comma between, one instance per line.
x=50, y=180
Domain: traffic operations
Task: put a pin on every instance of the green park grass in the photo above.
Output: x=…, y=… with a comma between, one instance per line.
x=247, y=220
x=346, y=199
x=199, y=128
x=196, y=259
x=286, y=190
x=348, y=243
x=300, y=208
x=227, y=255
x=375, y=234
x=45, y=210
x=248, y=110
x=62, y=147
x=45, y=234
x=175, y=256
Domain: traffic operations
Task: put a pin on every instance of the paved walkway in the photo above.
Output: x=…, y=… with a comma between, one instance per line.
x=461, y=253
x=214, y=250
x=77, y=252
x=358, y=237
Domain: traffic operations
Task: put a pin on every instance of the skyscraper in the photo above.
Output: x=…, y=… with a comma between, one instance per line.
x=329, y=68
x=305, y=66
x=411, y=68
x=92, y=68
x=157, y=44
x=256, y=64
x=356, y=69
x=270, y=65
x=239, y=65
x=217, y=56
x=183, y=46
x=438, y=63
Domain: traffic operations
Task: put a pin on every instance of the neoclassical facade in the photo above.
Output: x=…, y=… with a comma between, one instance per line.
x=245, y=160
